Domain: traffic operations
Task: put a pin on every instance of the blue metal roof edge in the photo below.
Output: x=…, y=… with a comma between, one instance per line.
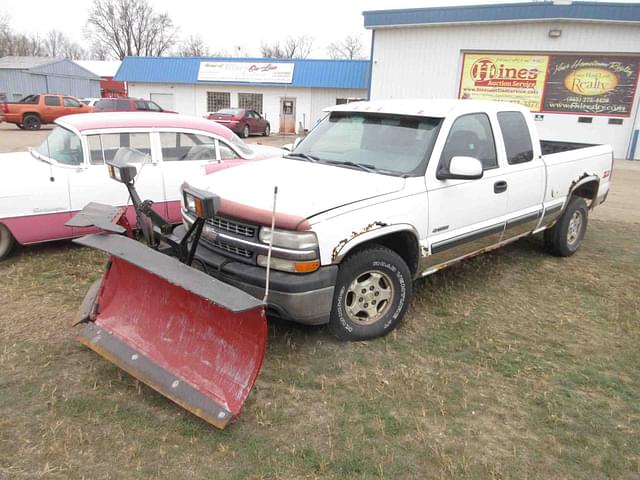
x=604, y=11
x=349, y=74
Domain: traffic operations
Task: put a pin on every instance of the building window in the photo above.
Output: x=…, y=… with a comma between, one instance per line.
x=218, y=100
x=342, y=101
x=250, y=101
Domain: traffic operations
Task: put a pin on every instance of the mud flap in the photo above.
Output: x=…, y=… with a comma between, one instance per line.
x=194, y=339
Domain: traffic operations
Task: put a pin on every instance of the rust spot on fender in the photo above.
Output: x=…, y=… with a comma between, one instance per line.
x=344, y=241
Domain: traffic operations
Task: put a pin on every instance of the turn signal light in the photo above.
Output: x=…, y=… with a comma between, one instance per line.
x=306, y=267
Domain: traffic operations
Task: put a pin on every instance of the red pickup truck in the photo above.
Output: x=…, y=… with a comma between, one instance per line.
x=34, y=110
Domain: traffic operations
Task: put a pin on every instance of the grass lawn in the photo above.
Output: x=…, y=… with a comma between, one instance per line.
x=515, y=364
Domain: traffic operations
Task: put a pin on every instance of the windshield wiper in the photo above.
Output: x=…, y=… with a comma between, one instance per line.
x=304, y=156
x=362, y=166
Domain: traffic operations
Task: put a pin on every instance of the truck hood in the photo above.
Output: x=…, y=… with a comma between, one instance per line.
x=304, y=189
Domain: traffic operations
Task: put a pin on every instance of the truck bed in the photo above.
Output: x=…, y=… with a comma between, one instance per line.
x=549, y=147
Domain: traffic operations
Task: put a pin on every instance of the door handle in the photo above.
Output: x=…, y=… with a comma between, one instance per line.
x=500, y=187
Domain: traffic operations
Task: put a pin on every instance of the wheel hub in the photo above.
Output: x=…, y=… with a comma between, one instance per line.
x=575, y=225
x=369, y=297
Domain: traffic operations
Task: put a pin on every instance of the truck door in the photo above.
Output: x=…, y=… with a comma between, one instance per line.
x=465, y=215
x=52, y=108
x=524, y=173
x=92, y=183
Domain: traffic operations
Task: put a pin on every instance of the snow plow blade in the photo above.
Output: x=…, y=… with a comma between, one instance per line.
x=194, y=339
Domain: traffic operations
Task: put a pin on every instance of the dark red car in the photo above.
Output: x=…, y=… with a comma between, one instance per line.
x=128, y=105
x=241, y=121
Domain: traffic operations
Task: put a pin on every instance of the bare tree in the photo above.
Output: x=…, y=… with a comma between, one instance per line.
x=57, y=44
x=130, y=28
x=350, y=48
x=291, y=47
x=271, y=50
x=193, y=46
x=20, y=44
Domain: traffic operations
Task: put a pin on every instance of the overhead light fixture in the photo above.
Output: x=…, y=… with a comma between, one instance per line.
x=555, y=33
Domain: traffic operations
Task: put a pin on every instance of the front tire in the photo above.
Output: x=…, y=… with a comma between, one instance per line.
x=6, y=242
x=267, y=131
x=245, y=131
x=565, y=237
x=373, y=291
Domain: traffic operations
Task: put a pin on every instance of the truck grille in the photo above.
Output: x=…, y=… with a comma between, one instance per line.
x=241, y=252
x=231, y=226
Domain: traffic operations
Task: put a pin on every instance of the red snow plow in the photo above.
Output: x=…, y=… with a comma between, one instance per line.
x=194, y=339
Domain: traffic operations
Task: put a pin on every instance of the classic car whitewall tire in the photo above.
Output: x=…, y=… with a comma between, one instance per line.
x=6, y=241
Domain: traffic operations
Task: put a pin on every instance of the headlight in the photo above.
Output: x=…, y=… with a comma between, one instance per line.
x=289, y=265
x=121, y=173
x=289, y=239
x=201, y=203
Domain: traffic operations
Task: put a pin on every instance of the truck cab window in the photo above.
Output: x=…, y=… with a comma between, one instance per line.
x=51, y=101
x=517, y=141
x=70, y=102
x=471, y=136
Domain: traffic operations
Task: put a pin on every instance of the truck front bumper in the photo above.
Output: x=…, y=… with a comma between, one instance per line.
x=303, y=298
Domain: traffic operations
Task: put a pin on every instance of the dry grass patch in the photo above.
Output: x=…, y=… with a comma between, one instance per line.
x=512, y=365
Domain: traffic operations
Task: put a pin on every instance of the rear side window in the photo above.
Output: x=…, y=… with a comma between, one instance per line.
x=104, y=147
x=105, y=105
x=52, y=101
x=517, y=140
x=141, y=105
x=471, y=136
x=122, y=105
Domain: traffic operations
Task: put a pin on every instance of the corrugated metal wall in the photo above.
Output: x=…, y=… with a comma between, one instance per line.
x=425, y=62
x=63, y=77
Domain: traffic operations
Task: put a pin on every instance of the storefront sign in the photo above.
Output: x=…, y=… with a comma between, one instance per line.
x=509, y=77
x=577, y=84
x=251, y=72
x=595, y=85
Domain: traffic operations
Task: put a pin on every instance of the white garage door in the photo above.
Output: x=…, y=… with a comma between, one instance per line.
x=165, y=100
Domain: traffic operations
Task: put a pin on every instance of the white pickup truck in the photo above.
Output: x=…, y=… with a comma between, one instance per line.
x=381, y=193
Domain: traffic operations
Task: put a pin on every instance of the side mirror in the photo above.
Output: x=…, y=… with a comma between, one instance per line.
x=122, y=173
x=461, y=168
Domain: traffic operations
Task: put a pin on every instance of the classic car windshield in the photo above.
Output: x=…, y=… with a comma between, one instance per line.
x=392, y=144
x=240, y=145
x=63, y=146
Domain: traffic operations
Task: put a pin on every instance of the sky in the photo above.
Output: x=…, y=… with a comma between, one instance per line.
x=233, y=26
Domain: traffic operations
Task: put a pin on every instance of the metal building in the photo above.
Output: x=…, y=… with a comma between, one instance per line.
x=575, y=64
x=21, y=76
x=290, y=93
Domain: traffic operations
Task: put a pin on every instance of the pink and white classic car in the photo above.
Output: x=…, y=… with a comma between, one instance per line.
x=41, y=189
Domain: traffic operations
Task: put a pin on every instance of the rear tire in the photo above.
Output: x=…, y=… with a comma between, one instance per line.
x=31, y=122
x=245, y=131
x=565, y=237
x=267, y=131
x=6, y=242
x=373, y=291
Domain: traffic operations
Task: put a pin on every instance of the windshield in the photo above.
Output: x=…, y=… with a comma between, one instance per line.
x=63, y=146
x=392, y=144
x=240, y=145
